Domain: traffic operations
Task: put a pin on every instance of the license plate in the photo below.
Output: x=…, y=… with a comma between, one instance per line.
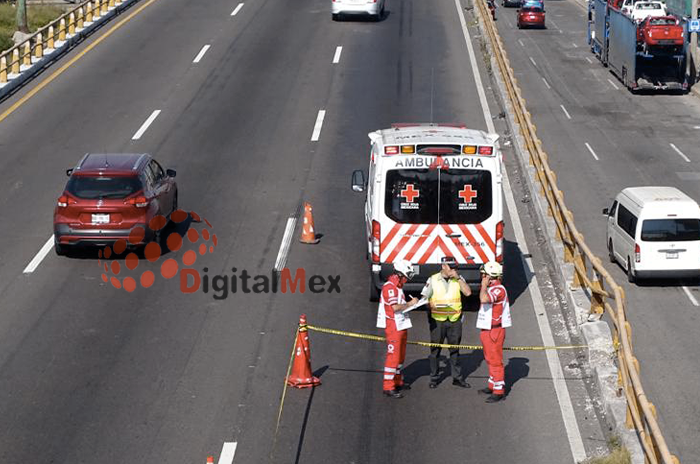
x=100, y=218
x=671, y=255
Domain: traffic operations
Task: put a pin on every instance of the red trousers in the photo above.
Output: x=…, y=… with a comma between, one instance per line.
x=493, y=354
x=395, y=355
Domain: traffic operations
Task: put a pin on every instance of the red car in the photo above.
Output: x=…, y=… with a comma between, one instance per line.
x=661, y=34
x=531, y=16
x=108, y=195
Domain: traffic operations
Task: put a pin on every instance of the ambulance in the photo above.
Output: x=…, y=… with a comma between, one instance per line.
x=433, y=190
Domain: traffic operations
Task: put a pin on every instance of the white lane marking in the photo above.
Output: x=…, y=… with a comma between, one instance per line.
x=675, y=148
x=574, y=44
x=589, y=60
x=690, y=296
x=696, y=127
x=336, y=57
x=238, y=8
x=614, y=85
x=533, y=61
x=34, y=263
x=319, y=124
x=592, y=152
x=145, y=125
x=201, y=53
x=228, y=451
x=565, y=112
x=567, y=410
x=520, y=41
x=546, y=83
x=286, y=242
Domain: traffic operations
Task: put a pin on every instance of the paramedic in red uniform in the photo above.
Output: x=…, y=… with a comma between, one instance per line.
x=391, y=318
x=493, y=318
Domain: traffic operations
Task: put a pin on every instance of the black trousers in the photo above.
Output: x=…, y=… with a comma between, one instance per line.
x=439, y=331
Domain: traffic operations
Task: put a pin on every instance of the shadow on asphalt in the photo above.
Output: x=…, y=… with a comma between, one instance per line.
x=469, y=362
x=516, y=369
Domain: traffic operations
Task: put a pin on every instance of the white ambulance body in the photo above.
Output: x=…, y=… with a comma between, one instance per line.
x=433, y=190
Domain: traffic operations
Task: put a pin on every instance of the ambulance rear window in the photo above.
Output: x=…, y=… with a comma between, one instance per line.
x=432, y=196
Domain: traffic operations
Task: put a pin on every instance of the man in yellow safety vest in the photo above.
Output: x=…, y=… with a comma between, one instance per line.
x=444, y=291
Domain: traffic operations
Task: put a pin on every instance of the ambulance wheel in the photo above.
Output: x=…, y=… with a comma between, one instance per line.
x=335, y=16
x=373, y=290
x=631, y=276
x=611, y=253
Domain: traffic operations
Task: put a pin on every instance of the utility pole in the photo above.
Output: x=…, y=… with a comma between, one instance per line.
x=22, y=16
x=694, y=37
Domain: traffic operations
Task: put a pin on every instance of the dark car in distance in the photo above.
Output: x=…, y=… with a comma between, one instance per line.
x=108, y=195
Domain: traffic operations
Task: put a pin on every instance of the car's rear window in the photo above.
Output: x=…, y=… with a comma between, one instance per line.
x=670, y=230
x=532, y=9
x=434, y=196
x=662, y=22
x=88, y=187
x=648, y=6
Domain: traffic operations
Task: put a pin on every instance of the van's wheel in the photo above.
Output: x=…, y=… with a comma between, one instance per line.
x=631, y=276
x=611, y=253
x=335, y=16
x=373, y=290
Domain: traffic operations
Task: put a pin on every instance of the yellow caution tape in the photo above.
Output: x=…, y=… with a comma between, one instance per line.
x=377, y=338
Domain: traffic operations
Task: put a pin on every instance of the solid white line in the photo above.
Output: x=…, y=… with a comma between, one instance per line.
x=589, y=60
x=546, y=83
x=567, y=410
x=228, y=452
x=520, y=41
x=614, y=85
x=144, y=126
x=286, y=242
x=687, y=160
x=336, y=57
x=319, y=124
x=238, y=8
x=201, y=53
x=533, y=61
x=34, y=263
x=690, y=296
x=565, y=112
x=592, y=152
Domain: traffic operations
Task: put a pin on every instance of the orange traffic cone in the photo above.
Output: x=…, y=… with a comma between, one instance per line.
x=301, y=376
x=308, y=233
x=210, y=459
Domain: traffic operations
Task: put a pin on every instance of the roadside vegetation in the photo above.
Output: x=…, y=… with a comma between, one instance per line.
x=618, y=455
x=38, y=16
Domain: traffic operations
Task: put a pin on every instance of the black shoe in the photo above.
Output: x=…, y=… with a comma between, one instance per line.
x=485, y=391
x=405, y=387
x=495, y=398
x=460, y=383
x=433, y=384
x=393, y=394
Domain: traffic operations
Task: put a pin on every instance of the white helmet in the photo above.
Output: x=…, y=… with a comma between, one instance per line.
x=492, y=269
x=404, y=267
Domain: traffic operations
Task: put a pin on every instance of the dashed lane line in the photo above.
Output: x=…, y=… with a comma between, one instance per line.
x=614, y=85
x=34, y=263
x=201, y=53
x=690, y=296
x=567, y=410
x=286, y=242
x=680, y=153
x=336, y=57
x=228, y=452
x=318, y=126
x=592, y=152
x=533, y=61
x=144, y=127
x=237, y=9
x=568, y=116
x=546, y=83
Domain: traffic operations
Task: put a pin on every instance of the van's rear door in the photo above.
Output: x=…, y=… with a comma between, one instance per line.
x=670, y=244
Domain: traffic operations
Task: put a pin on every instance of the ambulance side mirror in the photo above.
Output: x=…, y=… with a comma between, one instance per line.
x=606, y=212
x=358, y=181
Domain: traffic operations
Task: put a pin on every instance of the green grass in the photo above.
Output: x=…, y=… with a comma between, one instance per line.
x=618, y=454
x=38, y=16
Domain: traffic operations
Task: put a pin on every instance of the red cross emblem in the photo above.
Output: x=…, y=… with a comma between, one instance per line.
x=409, y=193
x=467, y=194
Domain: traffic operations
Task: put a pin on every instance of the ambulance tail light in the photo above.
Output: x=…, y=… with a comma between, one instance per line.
x=637, y=253
x=469, y=149
x=486, y=150
x=376, y=240
x=499, y=242
x=408, y=149
x=391, y=150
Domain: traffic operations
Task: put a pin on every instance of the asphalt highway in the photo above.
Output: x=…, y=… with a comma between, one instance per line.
x=600, y=139
x=89, y=373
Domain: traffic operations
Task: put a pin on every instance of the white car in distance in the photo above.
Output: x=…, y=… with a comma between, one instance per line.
x=371, y=8
x=641, y=10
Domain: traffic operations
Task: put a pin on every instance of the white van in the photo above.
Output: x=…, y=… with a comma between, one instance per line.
x=654, y=232
x=433, y=190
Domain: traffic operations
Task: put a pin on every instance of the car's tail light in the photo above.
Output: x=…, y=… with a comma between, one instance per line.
x=637, y=253
x=391, y=150
x=486, y=150
x=499, y=242
x=65, y=200
x=376, y=241
x=139, y=202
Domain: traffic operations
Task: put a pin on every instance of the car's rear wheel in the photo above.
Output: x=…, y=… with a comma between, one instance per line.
x=335, y=16
x=59, y=249
x=611, y=253
x=631, y=275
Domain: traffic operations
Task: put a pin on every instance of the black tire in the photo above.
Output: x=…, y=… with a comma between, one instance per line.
x=611, y=253
x=631, y=277
x=59, y=249
x=335, y=16
x=174, y=203
x=373, y=290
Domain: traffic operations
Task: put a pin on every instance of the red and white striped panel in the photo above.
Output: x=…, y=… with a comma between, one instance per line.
x=427, y=243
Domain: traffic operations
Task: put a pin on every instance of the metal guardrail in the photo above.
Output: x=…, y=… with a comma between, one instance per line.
x=48, y=38
x=606, y=295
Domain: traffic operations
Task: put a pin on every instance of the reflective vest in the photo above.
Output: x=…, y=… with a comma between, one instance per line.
x=445, y=304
